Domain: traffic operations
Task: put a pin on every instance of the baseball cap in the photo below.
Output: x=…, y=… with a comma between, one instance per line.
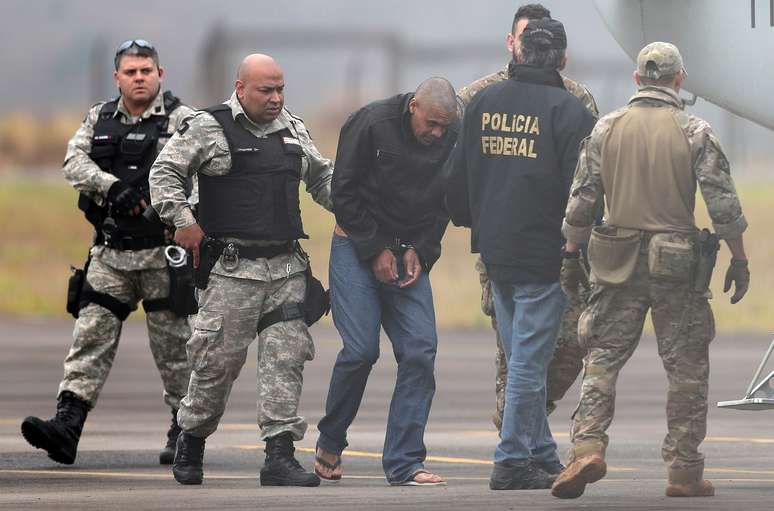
x=546, y=33
x=659, y=59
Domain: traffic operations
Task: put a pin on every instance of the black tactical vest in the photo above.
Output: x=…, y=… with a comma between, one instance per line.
x=127, y=151
x=258, y=198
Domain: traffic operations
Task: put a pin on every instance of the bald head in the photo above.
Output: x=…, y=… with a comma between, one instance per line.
x=433, y=109
x=260, y=87
x=257, y=62
x=439, y=93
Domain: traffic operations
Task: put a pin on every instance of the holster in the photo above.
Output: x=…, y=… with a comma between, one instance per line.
x=317, y=301
x=75, y=287
x=210, y=250
x=707, y=251
x=80, y=294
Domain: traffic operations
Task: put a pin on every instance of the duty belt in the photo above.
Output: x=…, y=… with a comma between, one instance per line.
x=138, y=243
x=213, y=249
x=232, y=250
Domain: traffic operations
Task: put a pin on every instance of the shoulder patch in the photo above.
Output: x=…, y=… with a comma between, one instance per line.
x=183, y=126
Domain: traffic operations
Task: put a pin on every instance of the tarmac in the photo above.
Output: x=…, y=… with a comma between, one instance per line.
x=117, y=465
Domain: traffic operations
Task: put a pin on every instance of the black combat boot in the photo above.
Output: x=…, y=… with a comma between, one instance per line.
x=519, y=476
x=281, y=468
x=59, y=435
x=167, y=454
x=189, y=456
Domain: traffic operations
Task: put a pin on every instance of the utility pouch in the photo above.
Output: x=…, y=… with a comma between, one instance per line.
x=75, y=288
x=613, y=253
x=182, y=299
x=707, y=251
x=671, y=257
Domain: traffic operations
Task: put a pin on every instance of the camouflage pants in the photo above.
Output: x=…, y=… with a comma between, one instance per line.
x=610, y=329
x=97, y=332
x=229, y=311
x=566, y=362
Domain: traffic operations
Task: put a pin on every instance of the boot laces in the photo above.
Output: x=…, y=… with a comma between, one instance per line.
x=69, y=410
x=282, y=448
x=188, y=453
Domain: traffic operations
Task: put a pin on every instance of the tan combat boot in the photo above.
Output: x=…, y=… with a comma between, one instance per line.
x=701, y=488
x=582, y=471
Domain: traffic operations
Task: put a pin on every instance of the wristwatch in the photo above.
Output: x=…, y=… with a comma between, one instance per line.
x=570, y=255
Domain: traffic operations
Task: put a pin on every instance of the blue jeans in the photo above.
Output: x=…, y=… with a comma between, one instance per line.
x=361, y=305
x=528, y=317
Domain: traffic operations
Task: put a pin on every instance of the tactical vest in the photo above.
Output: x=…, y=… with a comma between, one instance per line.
x=258, y=198
x=127, y=151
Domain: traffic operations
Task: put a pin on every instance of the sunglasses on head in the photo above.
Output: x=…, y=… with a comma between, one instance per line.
x=140, y=43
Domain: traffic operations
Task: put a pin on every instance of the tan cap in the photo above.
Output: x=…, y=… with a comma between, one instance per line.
x=659, y=59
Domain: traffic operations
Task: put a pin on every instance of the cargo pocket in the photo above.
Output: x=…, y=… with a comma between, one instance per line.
x=671, y=257
x=584, y=327
x=207, y=336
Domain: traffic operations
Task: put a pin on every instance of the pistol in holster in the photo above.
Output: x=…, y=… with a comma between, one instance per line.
x=75, y=285
x=210, y=250
x=707, y=247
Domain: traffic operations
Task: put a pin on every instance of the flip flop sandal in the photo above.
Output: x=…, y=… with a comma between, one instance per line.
x=329, y=466
x=413, y=482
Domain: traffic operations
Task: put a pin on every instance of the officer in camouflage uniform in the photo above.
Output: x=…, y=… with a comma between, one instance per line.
x=568, y=354
x=108, y=161
x=645, y=159
x=250, y=155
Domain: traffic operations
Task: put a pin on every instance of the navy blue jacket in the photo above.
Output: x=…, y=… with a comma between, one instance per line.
x=509, y=175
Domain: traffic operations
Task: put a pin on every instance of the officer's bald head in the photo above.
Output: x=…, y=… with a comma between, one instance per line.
x=433, y=109
x=260, y=87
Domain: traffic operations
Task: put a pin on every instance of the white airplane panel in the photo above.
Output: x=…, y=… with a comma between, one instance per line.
x=727, y=46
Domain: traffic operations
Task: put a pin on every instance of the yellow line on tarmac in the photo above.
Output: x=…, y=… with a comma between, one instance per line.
x=438, y=459
x=739, y=440
x=739, y=471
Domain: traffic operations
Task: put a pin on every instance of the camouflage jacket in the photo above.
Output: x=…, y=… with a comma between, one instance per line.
x=87, y=178
x=576, y=89
x=201, y=147
x=709, y=165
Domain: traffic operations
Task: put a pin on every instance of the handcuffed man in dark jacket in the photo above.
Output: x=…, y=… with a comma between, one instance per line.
x=387, y=194
x=508, y=179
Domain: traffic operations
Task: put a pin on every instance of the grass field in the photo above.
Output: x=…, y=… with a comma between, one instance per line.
x=43, y=233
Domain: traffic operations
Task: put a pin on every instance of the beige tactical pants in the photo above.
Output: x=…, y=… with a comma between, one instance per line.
x=566, y=362
x=97, y=332
x=229, y=311
x=610, y=329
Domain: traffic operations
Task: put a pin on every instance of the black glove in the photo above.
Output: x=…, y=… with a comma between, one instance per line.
x=739, y=274
x=572, y=277
x=124, y=198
